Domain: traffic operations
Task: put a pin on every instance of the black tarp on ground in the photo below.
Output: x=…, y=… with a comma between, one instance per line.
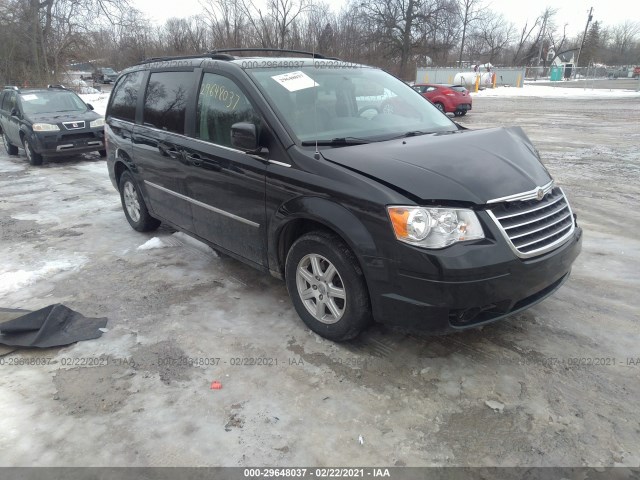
x=52, y=326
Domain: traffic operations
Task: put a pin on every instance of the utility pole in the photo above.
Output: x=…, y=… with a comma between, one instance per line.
x=584, y=35
x=544, y=26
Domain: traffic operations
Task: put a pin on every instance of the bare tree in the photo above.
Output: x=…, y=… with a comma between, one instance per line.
x=226, y=21
x=525, y=35
x=52, y=31
x=623, y=39
x=470, y=11
x=273, y=27
x=492, y=35
x=399, y=26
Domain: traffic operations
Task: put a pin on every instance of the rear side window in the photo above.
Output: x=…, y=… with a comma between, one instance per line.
x=166, y=100
x=125, y=97
x=221, y=103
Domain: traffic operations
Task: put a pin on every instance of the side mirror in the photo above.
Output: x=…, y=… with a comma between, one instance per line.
x=89, y=106
x=244, y=136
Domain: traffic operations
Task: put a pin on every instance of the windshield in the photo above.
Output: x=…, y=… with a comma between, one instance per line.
x=357, y=103
x=52, y=101
x=108, y=71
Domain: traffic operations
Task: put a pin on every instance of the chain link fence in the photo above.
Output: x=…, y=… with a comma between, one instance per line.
x=556, y=73
x=516, y=76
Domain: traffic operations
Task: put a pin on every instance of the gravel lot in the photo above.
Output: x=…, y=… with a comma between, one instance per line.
x=554, y=386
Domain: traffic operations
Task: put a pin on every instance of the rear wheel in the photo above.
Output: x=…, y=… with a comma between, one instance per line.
x=103, y=153
x=33, y=157
x=11, y=149
x=134, y=207
x=439, y=106
x=327, y=286
x=460, y=113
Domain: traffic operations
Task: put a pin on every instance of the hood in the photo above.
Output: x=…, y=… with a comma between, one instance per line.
x=59, y=117
x=464, y=166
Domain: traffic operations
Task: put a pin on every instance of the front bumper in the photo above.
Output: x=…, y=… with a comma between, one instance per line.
x=465, y=286
x=64, y=143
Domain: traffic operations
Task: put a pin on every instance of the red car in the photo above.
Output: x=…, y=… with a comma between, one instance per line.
x=448, y=98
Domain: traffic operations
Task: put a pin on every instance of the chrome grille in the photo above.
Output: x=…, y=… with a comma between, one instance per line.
x=535, y=227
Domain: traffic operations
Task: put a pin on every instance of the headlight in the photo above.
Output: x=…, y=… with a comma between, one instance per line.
x=434, y=227
x=45, y=127
x=99, y=122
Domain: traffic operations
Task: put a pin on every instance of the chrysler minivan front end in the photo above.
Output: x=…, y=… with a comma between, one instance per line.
x=345, y=182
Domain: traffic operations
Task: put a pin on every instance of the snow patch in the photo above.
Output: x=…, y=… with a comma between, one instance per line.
x=10, y=281
x=97, y=100
x=495, y=405
x=155, y=242
x=549, y=91
x=6, y=167
x=99, y=168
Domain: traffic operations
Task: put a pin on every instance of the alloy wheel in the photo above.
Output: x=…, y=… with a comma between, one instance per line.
x=321, y=288
x=131, y=201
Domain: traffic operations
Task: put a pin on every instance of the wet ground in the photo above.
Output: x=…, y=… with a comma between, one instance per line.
x=556, y=385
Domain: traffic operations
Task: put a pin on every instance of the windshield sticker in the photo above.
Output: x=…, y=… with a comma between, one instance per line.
x=29, y=97
x=294, y=81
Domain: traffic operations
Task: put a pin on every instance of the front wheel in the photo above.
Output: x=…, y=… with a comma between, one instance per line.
x=327, y=286
x=102, y=153
x=134, y=207
x=460, y=113
x=440, y=106
x=33, y=157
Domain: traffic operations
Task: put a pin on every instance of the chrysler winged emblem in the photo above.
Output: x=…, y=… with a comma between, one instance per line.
x=540, y=194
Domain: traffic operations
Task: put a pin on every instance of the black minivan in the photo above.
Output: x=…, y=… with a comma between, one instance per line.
x=297, y=167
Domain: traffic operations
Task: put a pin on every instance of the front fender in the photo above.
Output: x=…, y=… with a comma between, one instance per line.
x=323, y=211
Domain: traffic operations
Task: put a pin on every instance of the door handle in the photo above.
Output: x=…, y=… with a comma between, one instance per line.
x=194, y=159
x=169, y=150
x=173, y=153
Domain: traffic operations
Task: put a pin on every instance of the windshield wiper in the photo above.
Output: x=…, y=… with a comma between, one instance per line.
x=336, y=141
x=412, y=133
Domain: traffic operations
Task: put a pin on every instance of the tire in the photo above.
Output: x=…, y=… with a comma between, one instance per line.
x=133, y=205
x=34, y=158
x=11, y=149
x=460, y=113
x=102, y=153
x=337, y=316
x=439, y=106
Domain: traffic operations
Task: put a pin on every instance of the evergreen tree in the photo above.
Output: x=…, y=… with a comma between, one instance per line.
x=592, y=45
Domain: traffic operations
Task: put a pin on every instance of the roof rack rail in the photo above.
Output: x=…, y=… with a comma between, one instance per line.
x=58, y=86
x=281, y=50
x=223, y=54
x=165, y=59
x=187, y=57
x=12, y=87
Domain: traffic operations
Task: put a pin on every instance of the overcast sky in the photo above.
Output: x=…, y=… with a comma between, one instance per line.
x=572, y=12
